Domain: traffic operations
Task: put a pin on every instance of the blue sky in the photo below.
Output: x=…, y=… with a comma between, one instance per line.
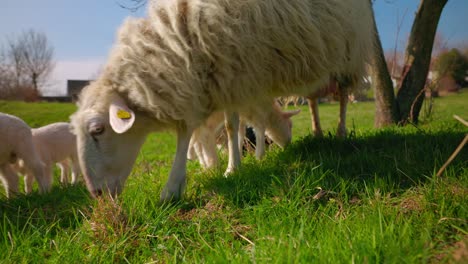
x=82, y=31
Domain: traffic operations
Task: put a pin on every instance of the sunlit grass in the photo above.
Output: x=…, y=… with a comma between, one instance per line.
x=370, y=198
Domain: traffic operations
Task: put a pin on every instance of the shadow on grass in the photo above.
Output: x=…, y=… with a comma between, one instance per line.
x=387, y=160
x=56, y=210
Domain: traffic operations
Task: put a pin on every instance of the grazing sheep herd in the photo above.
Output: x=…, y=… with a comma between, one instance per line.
x=187, y=67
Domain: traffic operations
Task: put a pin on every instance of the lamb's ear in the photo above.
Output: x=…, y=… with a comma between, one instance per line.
x=121, y=117
x=291, y=113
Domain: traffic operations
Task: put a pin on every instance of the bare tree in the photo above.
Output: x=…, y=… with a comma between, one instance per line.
x=395, y=49
x=26, y=62
x=7, y=80
x=15, y=61
x=133, y=5
x=417, y=60
x=36, y=55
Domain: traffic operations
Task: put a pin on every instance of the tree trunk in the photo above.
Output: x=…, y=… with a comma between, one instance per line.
x=417, y=59
x=34, y=83
x=385, y=105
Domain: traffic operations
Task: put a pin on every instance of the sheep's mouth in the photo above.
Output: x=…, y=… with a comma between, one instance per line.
x=100, y=192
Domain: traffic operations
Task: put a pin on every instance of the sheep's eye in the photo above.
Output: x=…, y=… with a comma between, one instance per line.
x=95, y=129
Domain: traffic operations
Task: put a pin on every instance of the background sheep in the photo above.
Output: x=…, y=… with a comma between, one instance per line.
x=192, y=58
x=341, y=88
x=269, y=120
x=17, y=144
x=55, y=144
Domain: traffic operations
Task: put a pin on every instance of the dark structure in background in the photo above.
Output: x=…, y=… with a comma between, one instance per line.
x=74, y=88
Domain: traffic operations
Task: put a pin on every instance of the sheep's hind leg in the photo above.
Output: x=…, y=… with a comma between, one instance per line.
x=231, y=120
x=343, y=94
x=9, y=179
x=314, y=116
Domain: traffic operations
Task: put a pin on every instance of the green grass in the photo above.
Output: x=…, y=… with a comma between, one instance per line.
x=380, y=201
x=38, y=114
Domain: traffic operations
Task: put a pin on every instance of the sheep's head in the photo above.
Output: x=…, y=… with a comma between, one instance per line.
x=108, y=141
x=279, y=126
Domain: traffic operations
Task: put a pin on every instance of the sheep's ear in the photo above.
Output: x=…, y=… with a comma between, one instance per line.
x=121, y=118
x=291, y=113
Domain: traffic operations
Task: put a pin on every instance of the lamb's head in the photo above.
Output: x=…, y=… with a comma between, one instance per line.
x=109, y=137
x=279, y=126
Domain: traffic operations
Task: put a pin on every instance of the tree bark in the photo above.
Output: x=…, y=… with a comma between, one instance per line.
x=385, y=106
x=417, y=59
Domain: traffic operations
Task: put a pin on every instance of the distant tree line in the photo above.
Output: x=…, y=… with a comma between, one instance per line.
x=453, y=64
x=26, y=63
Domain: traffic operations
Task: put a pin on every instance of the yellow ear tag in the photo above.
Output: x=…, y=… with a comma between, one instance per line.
x=122, y=114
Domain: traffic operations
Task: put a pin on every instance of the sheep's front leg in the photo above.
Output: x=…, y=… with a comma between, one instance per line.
x=231, y=120
x=177, y=178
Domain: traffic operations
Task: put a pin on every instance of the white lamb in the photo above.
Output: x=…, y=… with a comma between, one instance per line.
x=17, y=144
x=269, y=120
x=55, y=144
x=191, y=58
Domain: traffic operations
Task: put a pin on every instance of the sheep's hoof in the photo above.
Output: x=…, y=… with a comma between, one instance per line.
x=172, y=193
x=341, y=133
x=229, y=171
x=318, y=133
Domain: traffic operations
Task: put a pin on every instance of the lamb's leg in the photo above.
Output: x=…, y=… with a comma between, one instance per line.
x=209, y=150
x=176, y=182
x=9, y=179
x=314, y=116
x=64, y=171
x=191, y=153
x=28, y=182
x=260, y=142
x=343, y=94
x=198, y=146
x=34, y=165
x=76, y=171
x=46, y=179
x=231, y=120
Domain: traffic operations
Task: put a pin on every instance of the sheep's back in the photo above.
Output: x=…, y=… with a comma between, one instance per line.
x=54, y=142
x=190, y=58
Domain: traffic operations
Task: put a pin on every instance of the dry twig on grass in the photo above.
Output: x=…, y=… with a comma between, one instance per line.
x=457, y=150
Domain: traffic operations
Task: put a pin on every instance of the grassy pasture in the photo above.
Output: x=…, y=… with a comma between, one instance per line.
x=370, y=198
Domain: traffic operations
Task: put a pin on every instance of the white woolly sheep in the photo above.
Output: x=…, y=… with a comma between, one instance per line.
x=55, y=144
x=192, y=58
x=269, y=120
x=17, y=144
